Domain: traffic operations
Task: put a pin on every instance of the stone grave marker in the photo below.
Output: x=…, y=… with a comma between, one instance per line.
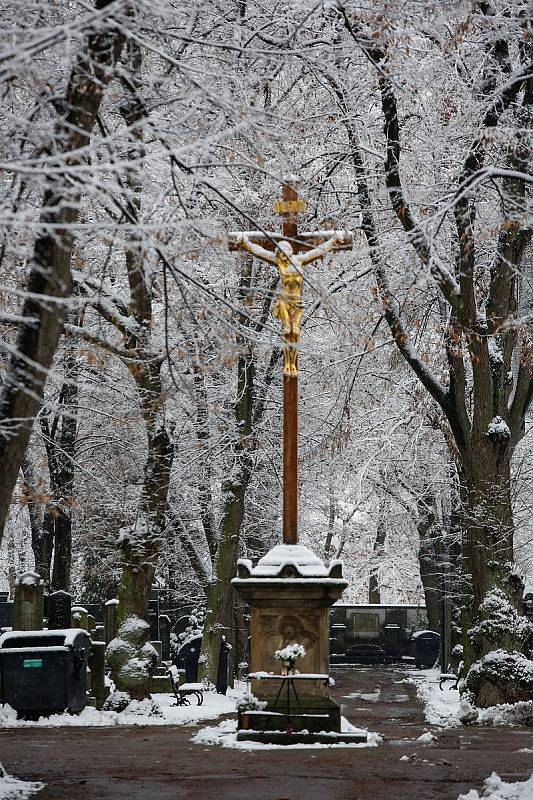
x=110, y=620
x=29, y=604
x=79, y=618
x=97, y=666
x=164, y=632
x=98, y=634
x=91, y=623
x=59, y=610
x=6, y=610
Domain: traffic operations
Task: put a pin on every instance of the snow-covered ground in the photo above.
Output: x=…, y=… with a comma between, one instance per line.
x=225, y=734
x=214, y=706
x=15, y=789
x=445, y=708
x=496, y=789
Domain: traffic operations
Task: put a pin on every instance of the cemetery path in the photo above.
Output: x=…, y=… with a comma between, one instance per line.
x=163, y=763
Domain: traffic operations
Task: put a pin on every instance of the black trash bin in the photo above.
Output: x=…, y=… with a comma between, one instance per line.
x=427, y=648
x=188, y=656
x=44, y=672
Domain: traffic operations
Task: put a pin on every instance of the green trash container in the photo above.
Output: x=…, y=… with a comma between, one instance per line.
x=44, y=672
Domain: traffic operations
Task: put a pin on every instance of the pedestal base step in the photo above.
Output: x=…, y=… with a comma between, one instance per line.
x=282, y=737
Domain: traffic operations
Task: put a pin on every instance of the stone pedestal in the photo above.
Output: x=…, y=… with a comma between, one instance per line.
x=290, y=593
x=29, y=604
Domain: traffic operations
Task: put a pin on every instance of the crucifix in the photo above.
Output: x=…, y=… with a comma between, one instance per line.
x=290, y=251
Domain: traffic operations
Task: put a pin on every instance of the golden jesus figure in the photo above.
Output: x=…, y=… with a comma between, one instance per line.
x=288, y=307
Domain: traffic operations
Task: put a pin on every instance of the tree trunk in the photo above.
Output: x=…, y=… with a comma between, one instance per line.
x=50, y=280
x=374, y=594
x=430, y=549
x=220, y=613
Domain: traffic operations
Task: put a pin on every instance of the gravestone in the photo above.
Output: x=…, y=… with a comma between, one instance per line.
x=79, y=618
x=28, y=608
x=6, y=610
x=164, y=632
x=188, y=656
x=153, y=614
x=98, y=635
x=110, y=620
x=97, y=666
x=59, y=610
x=91, y=623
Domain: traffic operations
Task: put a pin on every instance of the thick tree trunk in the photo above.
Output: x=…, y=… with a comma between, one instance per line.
x=130, y=655
x=50, y=281
x=220, y=613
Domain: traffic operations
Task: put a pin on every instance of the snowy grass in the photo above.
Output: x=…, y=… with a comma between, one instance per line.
x=496, y=789
x=445, y=707
x=214, y=706
x=15, y=789
x=225, y=735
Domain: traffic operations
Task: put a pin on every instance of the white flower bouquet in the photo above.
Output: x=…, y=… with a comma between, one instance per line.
x=288, y=655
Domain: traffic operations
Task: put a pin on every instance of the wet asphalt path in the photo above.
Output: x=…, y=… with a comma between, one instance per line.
x=163, y=764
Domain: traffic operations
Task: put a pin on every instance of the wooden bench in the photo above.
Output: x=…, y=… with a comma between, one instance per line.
x=183, y=692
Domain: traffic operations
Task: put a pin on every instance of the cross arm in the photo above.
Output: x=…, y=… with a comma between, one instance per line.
x=339, y=240
x=302, y=243
x=242, y=241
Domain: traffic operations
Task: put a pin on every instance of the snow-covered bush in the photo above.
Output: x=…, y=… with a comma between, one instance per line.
x=501, y=674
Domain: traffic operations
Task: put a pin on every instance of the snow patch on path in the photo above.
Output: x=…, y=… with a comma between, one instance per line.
x=441, y=707
x=214, y=706
x=15, y=789
x=225, y=735
x=496, y=789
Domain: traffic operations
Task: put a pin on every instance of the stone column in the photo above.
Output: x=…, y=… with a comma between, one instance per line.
x=59, y=610
x=79, y=618
x=97, y=666
x=29, y=605
x=164, y=632
x=153, y=614
x=110, y=620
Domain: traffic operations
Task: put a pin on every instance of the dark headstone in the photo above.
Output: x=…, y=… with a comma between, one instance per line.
x=181, y=625
x=59, y=610
x=188, y=657
x=97, y=666
x=392, y=641
x=6, y=611
x=164, y=632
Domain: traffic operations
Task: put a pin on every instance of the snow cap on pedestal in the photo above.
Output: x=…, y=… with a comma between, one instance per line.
x=293, y=562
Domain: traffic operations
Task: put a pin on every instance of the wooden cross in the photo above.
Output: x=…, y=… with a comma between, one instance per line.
x=289, y=251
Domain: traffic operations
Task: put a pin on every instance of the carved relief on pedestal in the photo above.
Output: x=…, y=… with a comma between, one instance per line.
x=278, y=630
